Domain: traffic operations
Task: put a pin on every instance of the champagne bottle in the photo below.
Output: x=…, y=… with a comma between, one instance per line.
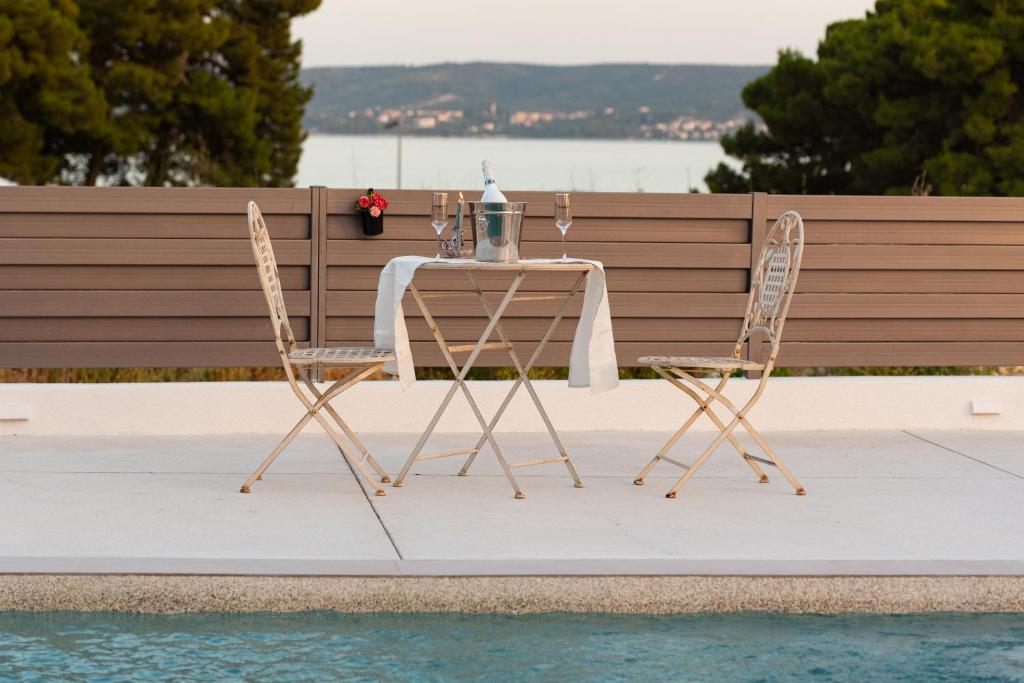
x=491, y=191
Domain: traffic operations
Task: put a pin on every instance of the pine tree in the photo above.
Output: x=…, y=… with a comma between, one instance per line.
x=917, y=88
x=46, y=94
x=187, y=92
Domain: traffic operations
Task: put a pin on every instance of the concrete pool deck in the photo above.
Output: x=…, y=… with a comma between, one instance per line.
x=885, y=511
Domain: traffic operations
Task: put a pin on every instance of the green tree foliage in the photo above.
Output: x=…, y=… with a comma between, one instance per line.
x=918, y=88
x=46, y=94
x=191, y=92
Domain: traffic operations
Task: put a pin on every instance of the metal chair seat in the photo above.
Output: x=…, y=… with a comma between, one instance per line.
x=701, y=363
x=340, y=355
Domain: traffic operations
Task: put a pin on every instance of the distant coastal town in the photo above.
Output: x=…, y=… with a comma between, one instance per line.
x=607, y=101
x=607, y=122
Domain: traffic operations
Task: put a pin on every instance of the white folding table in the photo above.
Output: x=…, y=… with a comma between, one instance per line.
x=518, y=271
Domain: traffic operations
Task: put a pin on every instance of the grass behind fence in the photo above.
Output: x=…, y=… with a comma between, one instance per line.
x=108, y=375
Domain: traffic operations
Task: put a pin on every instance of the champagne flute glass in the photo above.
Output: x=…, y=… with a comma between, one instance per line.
x=563, y=218
x=439, y=216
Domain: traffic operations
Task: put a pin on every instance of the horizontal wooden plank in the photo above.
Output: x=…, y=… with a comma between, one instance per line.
x=556, y=354
x=732, y=231
x=884, y=354
x=145, y=329
x=618, y=279
x=620, y=255
x=914, y=232
x=912, y=257
x=468, y=329
x=146, y=277
x=721, y=305
x=123, y=304
x=150, y=200
x=623, y=305
x=162, y=252
x=867, y=329
x=138, y=355
x=465, y=330
x=156, y=225
x=912, y=281
x=876, y=208
x=585, y=204
x=908, y=306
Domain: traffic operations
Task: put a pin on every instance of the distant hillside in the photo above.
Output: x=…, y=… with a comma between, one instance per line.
x=618, y=98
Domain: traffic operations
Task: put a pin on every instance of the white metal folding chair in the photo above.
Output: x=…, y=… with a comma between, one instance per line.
x=771, y=290
x=297, y=363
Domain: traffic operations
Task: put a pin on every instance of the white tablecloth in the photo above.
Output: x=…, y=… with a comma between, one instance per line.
x=592, y=360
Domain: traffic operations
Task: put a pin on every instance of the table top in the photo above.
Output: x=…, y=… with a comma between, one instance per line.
x=521, y=265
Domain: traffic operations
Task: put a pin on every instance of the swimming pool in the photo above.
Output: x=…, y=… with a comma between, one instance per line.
x=428, y=647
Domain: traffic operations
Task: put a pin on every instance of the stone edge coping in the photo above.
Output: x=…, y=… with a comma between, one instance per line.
x=513, y=594
x=509, y=568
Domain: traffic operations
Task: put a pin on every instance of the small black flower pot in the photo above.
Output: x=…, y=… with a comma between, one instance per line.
x=372, y=226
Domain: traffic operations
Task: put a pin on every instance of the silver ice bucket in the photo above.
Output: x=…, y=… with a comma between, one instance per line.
x=497, y=230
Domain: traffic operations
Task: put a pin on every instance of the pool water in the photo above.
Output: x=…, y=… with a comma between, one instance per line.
x=317, y=646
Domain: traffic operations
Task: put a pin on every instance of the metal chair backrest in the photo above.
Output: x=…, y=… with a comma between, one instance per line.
x=773, y=281
x=270, y=280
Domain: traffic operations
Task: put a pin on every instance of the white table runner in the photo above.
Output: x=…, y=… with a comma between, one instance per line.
x=592, y=361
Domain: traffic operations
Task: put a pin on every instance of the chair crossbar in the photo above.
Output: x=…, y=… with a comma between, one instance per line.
x=545, y=461
x=674, y=462
x=763, y=461
x=448, y=454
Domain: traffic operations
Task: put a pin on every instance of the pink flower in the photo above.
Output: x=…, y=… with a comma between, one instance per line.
x=374, y=211
x=364, y=202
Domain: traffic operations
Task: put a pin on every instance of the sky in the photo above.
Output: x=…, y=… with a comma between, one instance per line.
x=413, y=32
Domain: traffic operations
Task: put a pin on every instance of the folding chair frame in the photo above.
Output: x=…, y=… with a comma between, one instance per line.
x=363, y=363
x=771, y=291
x=494, y=326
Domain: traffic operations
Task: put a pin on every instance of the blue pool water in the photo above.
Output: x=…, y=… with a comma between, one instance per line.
x=321, y=646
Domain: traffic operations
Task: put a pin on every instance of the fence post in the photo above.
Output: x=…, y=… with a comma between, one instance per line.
x=758, y=230
x=318, y=271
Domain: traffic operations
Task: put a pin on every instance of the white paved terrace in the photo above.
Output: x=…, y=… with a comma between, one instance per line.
x=878, y=503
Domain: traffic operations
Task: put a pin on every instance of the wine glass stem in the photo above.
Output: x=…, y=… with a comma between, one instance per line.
x=564, y=253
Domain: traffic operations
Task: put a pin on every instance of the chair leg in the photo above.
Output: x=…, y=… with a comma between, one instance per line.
x=797, y=486
x=761, y=476
x=258, y=474
x=354, y=377
x=354, y=462
x=702, y=459
x=639, y=480
x=367, y=456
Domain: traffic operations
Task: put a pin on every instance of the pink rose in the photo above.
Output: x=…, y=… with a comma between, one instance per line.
x=374, y=211
x=364, y=202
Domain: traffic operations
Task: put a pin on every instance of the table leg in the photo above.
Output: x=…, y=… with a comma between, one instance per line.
x=524, y=378
x=460, y=376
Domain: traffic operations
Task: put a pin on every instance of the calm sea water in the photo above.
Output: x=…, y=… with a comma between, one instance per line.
x=551, y=165
x=452, y=647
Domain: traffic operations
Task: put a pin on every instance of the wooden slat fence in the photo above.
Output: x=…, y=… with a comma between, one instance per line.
x=138, y=277
x=133, y=277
